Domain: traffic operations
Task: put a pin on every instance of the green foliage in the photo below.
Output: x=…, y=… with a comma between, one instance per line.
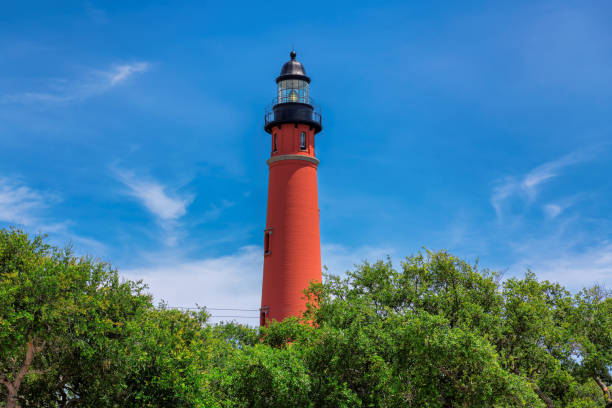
x=439, y=332
x=64, y=324
x=236, y=334
x=415, y=337
x=169, y=357
x=436, y=332
x=260, y=377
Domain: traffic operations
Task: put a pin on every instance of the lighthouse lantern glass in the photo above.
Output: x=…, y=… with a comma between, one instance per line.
x=293, y=90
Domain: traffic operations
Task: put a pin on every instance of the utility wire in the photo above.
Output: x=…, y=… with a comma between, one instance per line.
x=221, y=309
x=212, y=308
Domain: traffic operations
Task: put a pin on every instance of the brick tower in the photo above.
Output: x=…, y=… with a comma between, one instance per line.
x=292, y=247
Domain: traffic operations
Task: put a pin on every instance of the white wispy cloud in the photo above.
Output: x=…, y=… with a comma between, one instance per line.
x=154, y=196
x=23, y=206
x=549, y=170
x=572, y=268
x=166, y=206
x=92, y=83
x=528, y=186
x=19, y=204
x=123, y=72
x=552, y=210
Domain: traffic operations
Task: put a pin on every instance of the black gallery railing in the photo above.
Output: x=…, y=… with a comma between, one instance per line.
x=313, y=115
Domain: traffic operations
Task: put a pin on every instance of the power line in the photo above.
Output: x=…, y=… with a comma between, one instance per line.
x=212, y=308
x=221, y=309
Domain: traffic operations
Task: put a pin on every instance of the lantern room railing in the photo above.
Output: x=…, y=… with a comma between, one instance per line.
x=314, y=115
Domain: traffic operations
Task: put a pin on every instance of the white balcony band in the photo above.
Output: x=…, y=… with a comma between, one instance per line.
x=310, y=159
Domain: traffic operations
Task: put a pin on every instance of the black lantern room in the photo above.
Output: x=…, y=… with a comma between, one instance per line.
x=293, y=103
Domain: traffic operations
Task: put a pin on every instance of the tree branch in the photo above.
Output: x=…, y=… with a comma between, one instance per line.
x=73, y=401
x=543, y=397
x=7, y=384
x=40, y=347
x=605, y=390
x=30, y=351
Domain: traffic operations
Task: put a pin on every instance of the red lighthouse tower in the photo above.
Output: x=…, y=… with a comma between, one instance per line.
x=292, y=253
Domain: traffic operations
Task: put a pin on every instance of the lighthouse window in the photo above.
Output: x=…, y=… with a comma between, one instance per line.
x=267, y=243
x=303, y=141
x=275, y=148
x=293, y=90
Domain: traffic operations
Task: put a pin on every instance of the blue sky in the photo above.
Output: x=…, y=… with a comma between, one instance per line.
x=135, y=131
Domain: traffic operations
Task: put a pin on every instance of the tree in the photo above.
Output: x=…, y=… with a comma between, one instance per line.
x=591, y=323
x=260, y=376
x=439, y=332
x=410, y=338
x=65, y=323
x=172, y=351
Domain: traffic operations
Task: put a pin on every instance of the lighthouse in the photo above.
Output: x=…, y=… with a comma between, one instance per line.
x=292, y=246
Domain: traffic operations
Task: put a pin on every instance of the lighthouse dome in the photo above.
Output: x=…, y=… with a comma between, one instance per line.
x=293, y=70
